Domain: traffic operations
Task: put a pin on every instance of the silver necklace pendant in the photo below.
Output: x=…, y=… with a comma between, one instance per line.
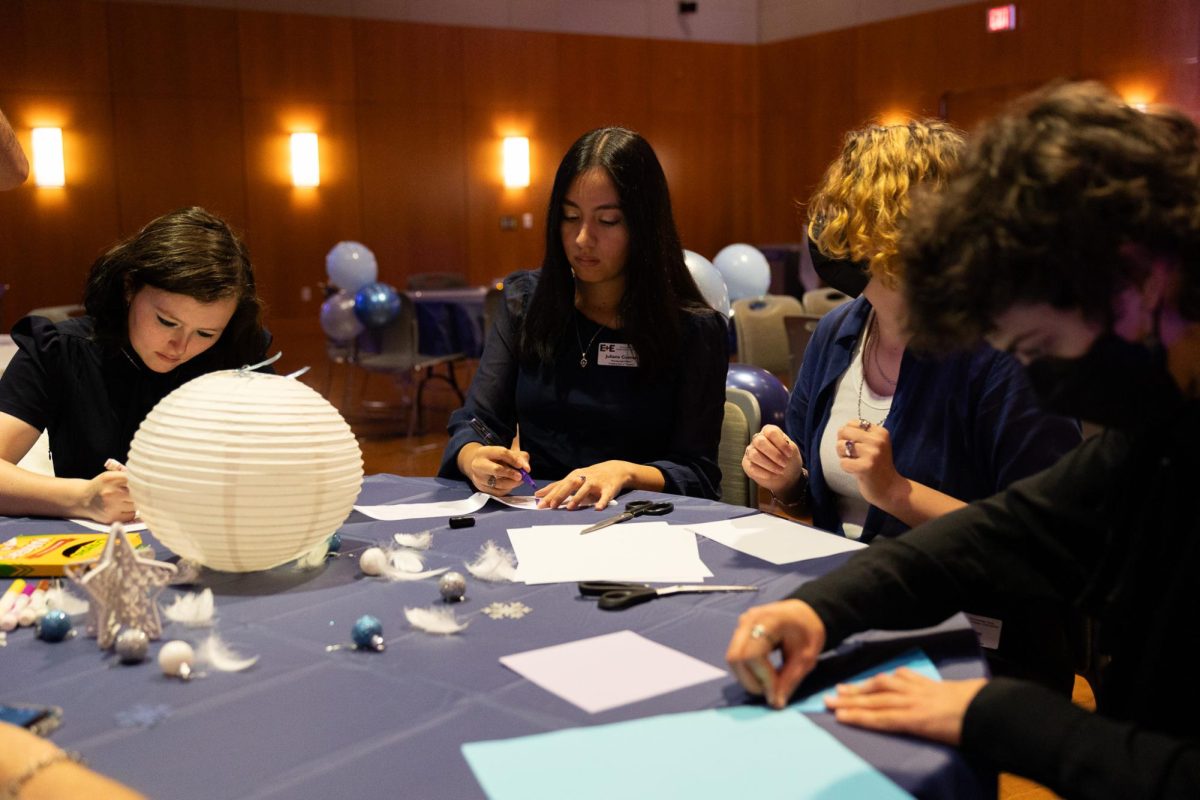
x=582, y=361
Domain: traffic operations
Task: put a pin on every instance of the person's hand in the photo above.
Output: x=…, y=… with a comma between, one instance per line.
x=790, y=626
x=105, y=498
x=772, y=460
x=865, y=451
x=905, y=701
x=493, y=469
x=597, y=484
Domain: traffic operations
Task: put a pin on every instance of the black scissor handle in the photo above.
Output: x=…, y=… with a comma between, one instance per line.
x=597, y=588
x=618, y=599
x=640, y=508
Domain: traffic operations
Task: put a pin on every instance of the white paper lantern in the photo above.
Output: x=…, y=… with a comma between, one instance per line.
x=242, y=471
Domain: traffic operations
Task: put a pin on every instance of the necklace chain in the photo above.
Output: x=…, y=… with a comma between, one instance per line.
x=870, y=348
x=125, y=353
x=583, y=362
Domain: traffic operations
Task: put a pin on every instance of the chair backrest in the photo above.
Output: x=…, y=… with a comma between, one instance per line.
x=761, y=336
x=799, y=329
x=436, y=280
x=742, y=421
x=396, y=339
x=819, y=302
x=57, y=313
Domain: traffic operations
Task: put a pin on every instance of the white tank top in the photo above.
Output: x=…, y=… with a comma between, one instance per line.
x=852, y=508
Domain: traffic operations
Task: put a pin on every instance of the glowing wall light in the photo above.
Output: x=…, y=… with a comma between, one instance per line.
x=516, y=161
x=306, y=162
x=48, y=167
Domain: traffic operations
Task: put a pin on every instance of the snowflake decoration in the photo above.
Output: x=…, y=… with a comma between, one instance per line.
x=507, y=610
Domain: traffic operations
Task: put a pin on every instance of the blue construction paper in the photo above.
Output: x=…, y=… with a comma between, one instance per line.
x=914, y=659
x=748, y=751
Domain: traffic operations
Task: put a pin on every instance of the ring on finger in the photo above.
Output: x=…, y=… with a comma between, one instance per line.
x=759, y=632
x=583, y=479
x=491, y=481
x=849, y=449
x=864, y=424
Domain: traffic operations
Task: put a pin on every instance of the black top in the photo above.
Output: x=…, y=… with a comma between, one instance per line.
x=1114, y=528
x=91, y=399
x=572, y=416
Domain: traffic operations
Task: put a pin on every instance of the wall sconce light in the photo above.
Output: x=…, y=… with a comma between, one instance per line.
x=48, y=157
x=306, y=162
x=516, y=162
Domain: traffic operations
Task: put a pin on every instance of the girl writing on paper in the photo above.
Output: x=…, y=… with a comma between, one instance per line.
x=607, y=359
x=174, y=301
x=879, y=437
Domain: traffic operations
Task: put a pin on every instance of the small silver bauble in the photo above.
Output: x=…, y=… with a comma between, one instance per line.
x=132, y=645
x=453, y=587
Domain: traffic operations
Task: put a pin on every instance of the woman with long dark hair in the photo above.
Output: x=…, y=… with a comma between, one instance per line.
x=174, y=301
x=607, y=360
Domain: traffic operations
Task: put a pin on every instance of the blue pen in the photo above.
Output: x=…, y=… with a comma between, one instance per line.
x=486, y=434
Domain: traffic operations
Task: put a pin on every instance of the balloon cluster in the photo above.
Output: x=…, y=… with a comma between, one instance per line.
x=739, y=270
x=361, y=300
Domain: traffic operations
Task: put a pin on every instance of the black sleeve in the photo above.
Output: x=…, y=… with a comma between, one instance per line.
x=1072, y=751
x=492, y=396
x=30, y=388
x=690, y=467
x=1036, y=541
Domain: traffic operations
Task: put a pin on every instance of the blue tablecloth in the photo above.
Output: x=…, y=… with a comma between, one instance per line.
x=306, y=723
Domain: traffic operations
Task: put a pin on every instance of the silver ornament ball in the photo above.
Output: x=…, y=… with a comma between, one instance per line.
x=132, y=645
x=453, y=587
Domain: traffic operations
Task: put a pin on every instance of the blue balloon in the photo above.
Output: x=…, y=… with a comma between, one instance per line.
x=376, y=304
x=745, y=270
x=350, y=266
x=338, y=318
x=708, y=281
x=770, y=393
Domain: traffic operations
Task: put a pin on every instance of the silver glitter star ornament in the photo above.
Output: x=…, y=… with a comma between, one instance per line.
x=123, y=588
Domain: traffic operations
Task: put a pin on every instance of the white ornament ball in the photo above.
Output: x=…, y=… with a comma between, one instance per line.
x=244, y=471
x=373, y=561
x=176, y=658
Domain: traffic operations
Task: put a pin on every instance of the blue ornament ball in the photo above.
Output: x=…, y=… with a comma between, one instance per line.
x=368, y=632
x=376, y=304
x=771, y=394
x=335, y=543
x=54, y=626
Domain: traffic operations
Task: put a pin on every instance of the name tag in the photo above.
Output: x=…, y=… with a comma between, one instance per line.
x=987, y=630
x=617, y=355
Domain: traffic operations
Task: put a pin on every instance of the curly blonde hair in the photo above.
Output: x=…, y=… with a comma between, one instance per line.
x=857, y=209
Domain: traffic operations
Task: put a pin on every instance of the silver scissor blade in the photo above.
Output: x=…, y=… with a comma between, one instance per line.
x=606, y=522
x=697, y=588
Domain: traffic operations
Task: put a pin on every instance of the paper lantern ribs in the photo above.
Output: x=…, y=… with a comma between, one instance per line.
x=242, y=471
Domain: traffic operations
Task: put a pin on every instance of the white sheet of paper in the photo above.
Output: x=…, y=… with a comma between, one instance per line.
x=612, y=670
x=774, y=539
x=645, y=552
x=446, y=508
x=130, y=527
x=527, y=502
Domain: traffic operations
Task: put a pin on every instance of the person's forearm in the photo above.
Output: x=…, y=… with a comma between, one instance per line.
x=914, y=503
x=14, y=168
x=40, y=771
x=647, y=478
x=25, y=493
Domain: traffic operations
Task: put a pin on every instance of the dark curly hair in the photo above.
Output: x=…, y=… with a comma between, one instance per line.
x=189, y=252
x=657, y=282
x=1060, y=200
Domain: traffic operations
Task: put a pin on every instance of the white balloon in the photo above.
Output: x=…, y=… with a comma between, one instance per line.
x=708, y=280
x=351, y=266
x=745, y=270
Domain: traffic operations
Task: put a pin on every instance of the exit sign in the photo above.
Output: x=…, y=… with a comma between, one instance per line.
x=1002, y=18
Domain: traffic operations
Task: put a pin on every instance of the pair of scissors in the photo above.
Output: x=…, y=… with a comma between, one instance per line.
x=615, y=595
x=636, y=508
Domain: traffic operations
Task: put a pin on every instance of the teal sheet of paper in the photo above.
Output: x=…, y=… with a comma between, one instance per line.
x=749, y=751
x=914, y=659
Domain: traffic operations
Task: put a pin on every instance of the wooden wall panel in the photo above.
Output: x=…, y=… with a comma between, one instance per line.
x=414, y=183
x=602, y=81
x=174, y=51
x=53, y=46
x=403, y=64
x=50, y=236
x=178, y=151
x=290, y=229
x=296, y=57
x=512, y=70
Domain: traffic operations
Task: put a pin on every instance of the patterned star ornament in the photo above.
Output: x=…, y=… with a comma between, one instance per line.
x=123, y=588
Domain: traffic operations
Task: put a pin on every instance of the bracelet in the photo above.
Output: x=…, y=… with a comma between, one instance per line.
x=803, y=498
x=13, y=789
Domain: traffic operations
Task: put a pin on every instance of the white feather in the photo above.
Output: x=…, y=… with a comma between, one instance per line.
x=60, y=598
x=493, y=563
x=416, y=541
x=192, y=609
x=405, y=565
x=434, y=620
x=215, y=653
